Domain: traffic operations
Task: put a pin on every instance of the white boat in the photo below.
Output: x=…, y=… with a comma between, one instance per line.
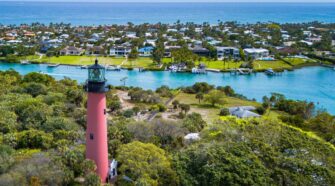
x=53, y=65
x=84, y=67
x=25, y=62
x=112, y=68
x=174, y=68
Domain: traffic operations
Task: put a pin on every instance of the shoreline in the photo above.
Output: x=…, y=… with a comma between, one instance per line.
x=279, y=70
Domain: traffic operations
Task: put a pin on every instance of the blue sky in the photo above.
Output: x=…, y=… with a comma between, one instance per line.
x=316, y=1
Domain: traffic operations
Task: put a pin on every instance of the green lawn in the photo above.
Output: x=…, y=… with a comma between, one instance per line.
x=87, y=60
x=263, y=65
x=299, y=61
x=220, y=64
x=139, y=62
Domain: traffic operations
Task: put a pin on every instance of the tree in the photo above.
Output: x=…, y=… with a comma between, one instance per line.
x=35, y=89
x=39, y=78
x=158, y=52
x=194, y=122
x=242, y=54
x=215, y=97
x=8, y=121
x=6, y=158
x=199, y=96
x=146, y=164
x=92, y=179
x=133, y=55
x=175, y=104
x=224, y=112
x=184, y=55
x=185, y=107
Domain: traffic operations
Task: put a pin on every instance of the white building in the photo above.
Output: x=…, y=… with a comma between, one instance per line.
x=256, y=53
x=119, y=51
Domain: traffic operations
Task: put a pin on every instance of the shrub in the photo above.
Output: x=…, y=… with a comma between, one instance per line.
x=224, y=112
x=260, y=110
x=128, y=113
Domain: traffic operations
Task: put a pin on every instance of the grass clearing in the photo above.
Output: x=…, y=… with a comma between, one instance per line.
x=277, y=64
x=208, y=112
x=88, y=60
x=299, y=61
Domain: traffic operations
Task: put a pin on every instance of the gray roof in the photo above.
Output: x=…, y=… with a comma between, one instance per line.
x=243, y=112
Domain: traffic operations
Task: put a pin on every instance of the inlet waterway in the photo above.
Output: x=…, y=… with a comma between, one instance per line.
x=315, y=84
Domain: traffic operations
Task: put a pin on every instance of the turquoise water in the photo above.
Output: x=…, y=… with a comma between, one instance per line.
x=86, y=13
x=315, y=84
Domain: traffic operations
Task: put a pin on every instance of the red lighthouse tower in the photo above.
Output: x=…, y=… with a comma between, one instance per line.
x=96, y=132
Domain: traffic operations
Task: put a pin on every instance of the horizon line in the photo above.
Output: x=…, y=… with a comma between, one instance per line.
x=167, y=1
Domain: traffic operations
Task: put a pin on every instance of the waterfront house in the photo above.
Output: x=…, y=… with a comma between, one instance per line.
x=243, y=112
x=200, y=51
x=72, y=51
x=119, y=51
x=95, y=50
x=223, y=52
x=145, y=51
x=256, y=53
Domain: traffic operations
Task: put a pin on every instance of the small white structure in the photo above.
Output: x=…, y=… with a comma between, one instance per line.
x=256, y=53
x=192, y=137
x=112, y=170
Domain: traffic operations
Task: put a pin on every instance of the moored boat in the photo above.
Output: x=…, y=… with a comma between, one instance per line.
x=53, y=65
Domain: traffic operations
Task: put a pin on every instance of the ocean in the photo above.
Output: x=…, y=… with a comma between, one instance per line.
x=87, y=13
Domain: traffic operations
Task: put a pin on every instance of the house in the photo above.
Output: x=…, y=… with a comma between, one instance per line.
x=256, y=53
x=95, y=50
x=71, y=50
x=150, y=42
x=243, y=112
x=200, y=51
x=64, y=36
x=306, y=42
x=131, y=35
x=227, y=51
x=119, y=51
x=29, y=34
x=145, y=51
x=214, y=42
x=333, y=42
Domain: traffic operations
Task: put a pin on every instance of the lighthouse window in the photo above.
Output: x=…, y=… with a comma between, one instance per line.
x=91, y=136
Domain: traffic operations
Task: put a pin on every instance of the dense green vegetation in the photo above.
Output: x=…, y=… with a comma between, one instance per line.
x=42, y=141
